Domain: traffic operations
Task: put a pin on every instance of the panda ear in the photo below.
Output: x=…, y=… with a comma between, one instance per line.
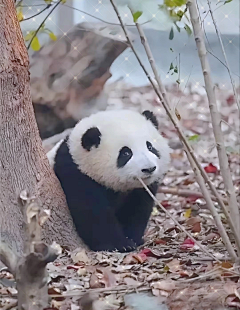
x=150, y=116
x=91, y=137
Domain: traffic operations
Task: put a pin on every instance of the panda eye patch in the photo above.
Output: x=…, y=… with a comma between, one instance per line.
x=152, y=149
x=149, y=146
x=124, y=156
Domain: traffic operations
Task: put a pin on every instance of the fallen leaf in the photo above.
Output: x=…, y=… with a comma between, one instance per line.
x=174, y=265
x=80, y=256
x=129, y=260
x=94, y=282
x=140, y=257
x=131, y=281
x=187, y=214
x=187, y=244
x=196, y=228
x=160, y=241
x=165, y=204
x=211, y=237
x=230, y=100
x=164, y=285
x=56, y=291
x=211, y=168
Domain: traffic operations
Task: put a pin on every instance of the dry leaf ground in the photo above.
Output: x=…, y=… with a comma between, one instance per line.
x=169, y=266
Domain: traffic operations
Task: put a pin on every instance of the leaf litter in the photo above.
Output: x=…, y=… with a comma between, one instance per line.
x=169, y=266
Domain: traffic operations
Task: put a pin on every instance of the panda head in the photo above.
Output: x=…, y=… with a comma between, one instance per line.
x=115, y=148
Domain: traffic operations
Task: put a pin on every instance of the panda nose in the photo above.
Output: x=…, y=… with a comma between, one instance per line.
x=149, y=170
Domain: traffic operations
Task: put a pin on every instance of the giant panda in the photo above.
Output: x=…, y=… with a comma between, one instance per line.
x=98, y=166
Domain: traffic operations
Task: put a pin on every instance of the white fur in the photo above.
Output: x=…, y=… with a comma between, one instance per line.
x=52, y=153
x=119, y=129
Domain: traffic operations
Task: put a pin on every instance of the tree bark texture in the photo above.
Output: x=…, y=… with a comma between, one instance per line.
x=23, y=164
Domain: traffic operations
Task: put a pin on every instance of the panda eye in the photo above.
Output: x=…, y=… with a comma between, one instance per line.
x=126, y=152
x=149, y=146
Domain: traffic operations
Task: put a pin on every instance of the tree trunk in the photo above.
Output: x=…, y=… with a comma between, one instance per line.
x=23, y=164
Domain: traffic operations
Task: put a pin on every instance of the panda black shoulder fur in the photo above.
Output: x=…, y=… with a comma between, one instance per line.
x=98, y=166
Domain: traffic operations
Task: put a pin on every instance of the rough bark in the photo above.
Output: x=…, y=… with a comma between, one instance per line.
x=23, y=163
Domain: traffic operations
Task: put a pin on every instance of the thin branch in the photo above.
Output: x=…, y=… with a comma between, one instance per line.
x=224, y=54
x=102, y=20
x=213, y=210
x=47, y=7
x=40, y=26
x=185, y=193
x=152, y=63
x=182, y=137
x=215, y=116
x=176, y=222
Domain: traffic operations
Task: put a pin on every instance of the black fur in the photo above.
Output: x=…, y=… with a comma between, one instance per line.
x=104, y=219
x=152, y=149
x=150, y=116
x=91, y=137
x=125, y=154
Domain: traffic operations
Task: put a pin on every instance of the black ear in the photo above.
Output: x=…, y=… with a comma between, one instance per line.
x=92, y=137
x=150, y=116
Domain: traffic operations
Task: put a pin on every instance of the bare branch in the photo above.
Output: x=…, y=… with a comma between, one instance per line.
x=47, y=7
x=213, y=210
x=224, y=54
x=185, y=193
x=182, y=137
x=215, y=116
x=40, y=26
x=102, y=20
x=152, y=63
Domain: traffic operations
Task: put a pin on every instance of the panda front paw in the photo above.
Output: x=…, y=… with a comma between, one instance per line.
x=127, y=246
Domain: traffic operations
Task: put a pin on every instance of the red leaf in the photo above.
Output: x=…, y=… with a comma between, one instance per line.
x=211, y=168
x=160, y=241
x=230, y=100
x=165, y=203
x=73, y=267
x=146, y=252
x=140, y=257
x=187, y=244
x=190, y=199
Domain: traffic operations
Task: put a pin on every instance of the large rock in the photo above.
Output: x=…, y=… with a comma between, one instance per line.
x=68, y=75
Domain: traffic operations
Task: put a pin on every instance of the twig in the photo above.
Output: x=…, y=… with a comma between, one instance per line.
x=214, y=271
x=102, y=20
x=182, y=137
x=185, y=193
x=152, y=62
x=40, y=26
x=176, y=222
x=213, y=210
x=47, y=7
x=106, y=290
x=224, y=54
x=216, y=119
